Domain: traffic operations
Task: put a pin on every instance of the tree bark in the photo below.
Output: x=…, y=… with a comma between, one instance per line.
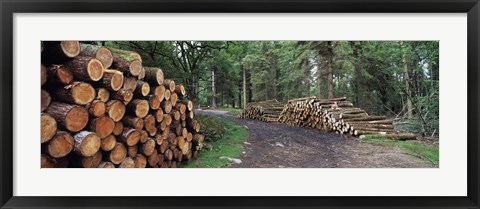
x=101, y=53
x=77, y=92
x=102, y=94
x=108, y=143
x=105, y=164
x=142, y=89
x=45, y=100
x=118, y=153
x=130, y=136
x=59, y=75
x=123, y=95
x=330, y=69
x=115, y=110
x=160, y=92
x=140, y=161
x=138, y=107
x=96, y=108
x=60, y=145
x=69, y=117
x=112, y=80
x=85, y=68
x=59, y=51
x=130, y=83
x=406, y=77
x=49, y=128
x=213, y=104
x=102, y=126
x=86, y=143
x=154, y=76
x=169, y=84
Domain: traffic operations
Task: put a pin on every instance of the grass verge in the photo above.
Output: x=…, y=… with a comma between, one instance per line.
x=230, y=145
x=427, y=152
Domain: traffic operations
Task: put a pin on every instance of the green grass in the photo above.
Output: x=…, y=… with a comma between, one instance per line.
x=230, y=145
x=230, y=110
x=427, y=152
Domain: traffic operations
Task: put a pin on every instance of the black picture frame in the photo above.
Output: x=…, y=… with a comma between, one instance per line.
x=10, y=7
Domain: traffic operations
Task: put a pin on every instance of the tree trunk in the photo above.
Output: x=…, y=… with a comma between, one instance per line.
x=86, y=143
x=138, y=108
x=77, y=92
x=123, y=95
x=154, y=102
x=85, y=68
x=180, y=90
x=96, y=108
x=105, y=164
x=118, y=153
x=108, y=143
x=102, y=126
x=128, y=68
x=130, y=83
x=118, y=128
x=102, y=94
x=112, y=80
x=154, y=76
x=55, y=52
x=101, y=53
x=160, y=92
x=49, y=127
x=142, y=89
x=69, y=117
x=130, y=136
x=406, y=77
x=59, y=75
x=214, y=93
x=140, y=161
x=60, y=145
x=115, y=110
x=330, y=69
x=45, y=100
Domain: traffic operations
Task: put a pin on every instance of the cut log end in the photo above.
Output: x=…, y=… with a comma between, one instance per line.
x=76, y=119
x=87, y=143
x=61, y=145
x=83, y=93
x=115, y=110
x=49, y=127
x=135, y=67
x=105, y=56
x=103, y=126
x=70, y=48
x=95, y=69
x=118, y=153
x=46, y=99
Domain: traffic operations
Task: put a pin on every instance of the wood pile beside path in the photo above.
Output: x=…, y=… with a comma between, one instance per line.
x=267, y=111
x=340, y=116
x=101, y=108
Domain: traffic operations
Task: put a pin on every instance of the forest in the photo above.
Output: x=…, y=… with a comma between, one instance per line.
x=399, y=79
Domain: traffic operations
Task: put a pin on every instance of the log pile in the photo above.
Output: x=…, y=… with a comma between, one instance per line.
x=340, y=116
x=101, y=108
x=267, y=111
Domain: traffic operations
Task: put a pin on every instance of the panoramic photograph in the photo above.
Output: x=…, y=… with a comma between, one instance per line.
x=239, y=104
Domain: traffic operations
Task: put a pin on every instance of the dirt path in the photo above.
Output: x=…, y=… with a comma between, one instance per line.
x=279, y=145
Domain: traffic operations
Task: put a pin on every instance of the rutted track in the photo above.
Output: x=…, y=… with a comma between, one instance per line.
x=279, y=145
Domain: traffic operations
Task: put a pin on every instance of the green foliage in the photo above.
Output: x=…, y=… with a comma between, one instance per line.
x=212, y=127
x=230, y=145
x=368, y=73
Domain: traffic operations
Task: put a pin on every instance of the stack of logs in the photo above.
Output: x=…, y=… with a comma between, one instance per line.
x=267, y=111
x=102, y=109
x=340, y=116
